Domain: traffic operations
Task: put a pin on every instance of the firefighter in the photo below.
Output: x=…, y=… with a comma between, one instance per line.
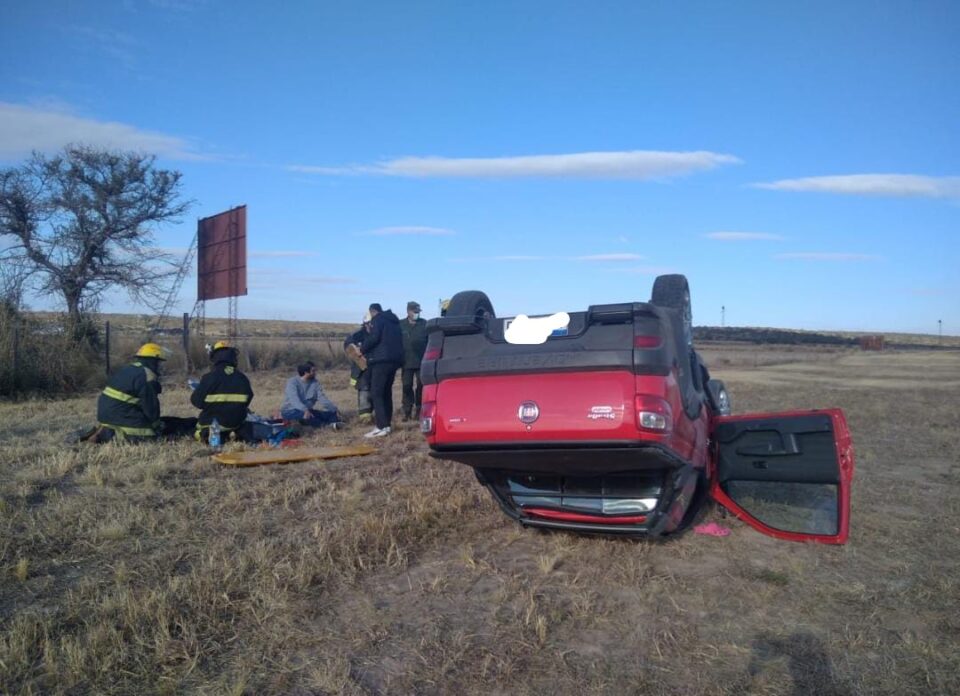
x=224, y=393
x=359, y=374
x=129, y=406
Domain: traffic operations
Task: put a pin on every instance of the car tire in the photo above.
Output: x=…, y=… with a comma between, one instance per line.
x=470, y=303
x=673, y=292
x=719, y=397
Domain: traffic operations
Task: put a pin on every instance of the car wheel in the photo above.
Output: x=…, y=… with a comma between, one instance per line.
x=723, y=402
x=719, y=398
x=470, y=303
x=673, y=291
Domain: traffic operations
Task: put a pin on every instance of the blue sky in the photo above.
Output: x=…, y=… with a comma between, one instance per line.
x=799, y=162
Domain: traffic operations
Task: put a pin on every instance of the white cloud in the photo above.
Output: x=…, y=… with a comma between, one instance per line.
x=894, y=185
x=280, y=254
x=409, y=230
x=610, y=257
x=25, y=128
x=741, y=236
x=632, y=164
x=825, y=256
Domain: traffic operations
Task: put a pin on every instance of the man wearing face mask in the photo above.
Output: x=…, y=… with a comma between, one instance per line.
x=414, y=331
x=304, y=400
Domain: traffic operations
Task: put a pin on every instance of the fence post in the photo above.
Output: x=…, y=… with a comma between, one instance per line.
x=16, y=357
x=106, y=345
x=186, y=342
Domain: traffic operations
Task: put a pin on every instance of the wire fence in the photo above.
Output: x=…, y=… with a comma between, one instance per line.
x=41, y=357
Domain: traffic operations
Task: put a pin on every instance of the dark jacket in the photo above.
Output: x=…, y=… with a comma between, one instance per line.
x=130, y=402
x=224, y=393
x=384, y=343
x=414, y=342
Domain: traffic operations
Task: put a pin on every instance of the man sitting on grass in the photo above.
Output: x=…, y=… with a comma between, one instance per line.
x=305, y=402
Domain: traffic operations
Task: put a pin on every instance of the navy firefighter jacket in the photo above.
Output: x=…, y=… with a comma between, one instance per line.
x=224, y=393
x=130, y=403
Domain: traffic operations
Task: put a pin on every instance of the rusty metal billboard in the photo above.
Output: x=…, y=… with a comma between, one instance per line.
x=222, y=254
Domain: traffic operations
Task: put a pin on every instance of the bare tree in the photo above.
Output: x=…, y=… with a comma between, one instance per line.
x=12, y=278
x=81, y=222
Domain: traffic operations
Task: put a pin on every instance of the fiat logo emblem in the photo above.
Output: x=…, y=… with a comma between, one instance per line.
x=528, y=412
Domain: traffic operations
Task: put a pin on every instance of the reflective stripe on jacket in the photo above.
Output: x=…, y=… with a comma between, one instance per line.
x=224, y=393
x=130, y=432
x=130, y=402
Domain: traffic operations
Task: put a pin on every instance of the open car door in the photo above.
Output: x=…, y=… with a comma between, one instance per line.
x=786, y=474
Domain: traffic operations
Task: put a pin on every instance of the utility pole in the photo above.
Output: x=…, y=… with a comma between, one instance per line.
x=939, y=331
x=723, y=315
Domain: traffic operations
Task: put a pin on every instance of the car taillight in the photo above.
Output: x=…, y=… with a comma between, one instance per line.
x=427, y=425
x=433, y=353
x=653, y=414
x=647, y=341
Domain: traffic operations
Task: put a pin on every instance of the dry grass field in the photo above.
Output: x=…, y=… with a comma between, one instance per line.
x=151, y=570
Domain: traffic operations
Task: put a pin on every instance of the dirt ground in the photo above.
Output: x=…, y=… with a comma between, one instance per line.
x=151, y=569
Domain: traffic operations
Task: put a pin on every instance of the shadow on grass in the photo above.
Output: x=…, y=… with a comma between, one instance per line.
x=808, y=662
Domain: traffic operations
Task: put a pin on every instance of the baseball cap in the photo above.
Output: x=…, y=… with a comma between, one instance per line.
x=415, y=306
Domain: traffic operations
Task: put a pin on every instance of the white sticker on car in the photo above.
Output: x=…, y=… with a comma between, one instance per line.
x=524, y=330
x=603, y=412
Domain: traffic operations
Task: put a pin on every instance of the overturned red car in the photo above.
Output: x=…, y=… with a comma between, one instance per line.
x=607, y=421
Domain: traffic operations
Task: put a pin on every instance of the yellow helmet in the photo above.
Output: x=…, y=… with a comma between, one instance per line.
x=220, y=344
x=151, y=350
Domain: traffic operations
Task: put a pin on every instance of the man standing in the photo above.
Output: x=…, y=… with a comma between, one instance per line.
x=224, y=393
x=383, y=349
x=305, y=401
x=129, y=406
x=414, y=331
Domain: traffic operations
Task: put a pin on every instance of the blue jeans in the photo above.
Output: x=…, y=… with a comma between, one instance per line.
x=316, y=419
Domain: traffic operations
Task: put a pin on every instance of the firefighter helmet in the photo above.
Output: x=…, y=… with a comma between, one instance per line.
x=221, y=345
x=150, y=350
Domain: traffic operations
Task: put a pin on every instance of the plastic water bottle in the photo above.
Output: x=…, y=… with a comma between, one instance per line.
x=214, y=437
